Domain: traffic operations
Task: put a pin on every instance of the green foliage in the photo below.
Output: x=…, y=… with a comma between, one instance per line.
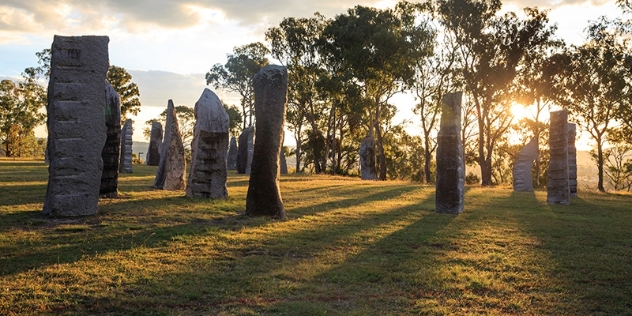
x=235, y=119
x=236, y=75
x=127, y=90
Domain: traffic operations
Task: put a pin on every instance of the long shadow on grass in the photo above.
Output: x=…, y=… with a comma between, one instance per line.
x=22, y=194
x=255, y=271
x=590, y=243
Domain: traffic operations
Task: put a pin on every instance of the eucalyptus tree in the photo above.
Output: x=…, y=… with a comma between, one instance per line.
x=127, y=90
x=376, y=54
x=236, y=75
x=491, y=49
x=593, y=83
x=293, y=43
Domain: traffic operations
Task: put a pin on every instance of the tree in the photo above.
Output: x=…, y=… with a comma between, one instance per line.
x=592, y=82
x=20, y=106
x=376, y=51
x=491, y=50
x=235, y=119
x=293, y=43
x=127, y=90
x=236, y=75
x=618, y=162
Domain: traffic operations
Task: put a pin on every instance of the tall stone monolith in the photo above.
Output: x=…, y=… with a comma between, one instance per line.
x=558, y=187
x=572, y=159
x=76, y=124
x=231, y=156
x=112, y=149
x=522, y=178
x=245, y=150
x=450, y=186
x=126, y=147
x=264, y=195
x=155, y=139
x=367, y=158
x=283, y=163
x=171, y=169
x=207, y=177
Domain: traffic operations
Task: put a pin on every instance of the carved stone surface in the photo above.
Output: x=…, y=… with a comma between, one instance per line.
x=231, y=157
x=245, y=150
x=76, y=124
x=155, y=139
x=450, y=164
x=207, y=177
x=367, y=158
x=558, y=188
x=112, y=149
x=572, y=160
x=126, y=147
x=171, y=169
x=523, y=180
x=264, y=195
x=283, y=163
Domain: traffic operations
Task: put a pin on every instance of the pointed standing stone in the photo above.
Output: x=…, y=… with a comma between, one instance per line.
x=231, y=157
x=207, y=177
x=171, y=169
x=112, y=149
x=283, y=163
x=450, y=164
x=76, y=124
x=367, y=158
x=264, y=195
x=557, y=187
x=155, y=139
x=126, y=147
x=245, y=150
x=523, y=180
x=572, y=160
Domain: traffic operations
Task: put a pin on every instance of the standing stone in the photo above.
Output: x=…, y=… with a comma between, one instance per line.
x=264, y=195
x=170, y=174
x=126, y=147
x=112, y=149
x=231, y=157
x=153, y=152
x=572, y=159
x=367, y=158
x=283, y=163
x=450, y=163
x=523, y=180
x=207, y=177
x=76, y=124
x=245, y=150
x=558, y=188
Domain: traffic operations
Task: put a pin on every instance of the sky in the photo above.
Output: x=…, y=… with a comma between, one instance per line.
x=168, y=45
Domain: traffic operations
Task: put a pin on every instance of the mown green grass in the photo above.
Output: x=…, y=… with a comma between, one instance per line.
x=348, y=247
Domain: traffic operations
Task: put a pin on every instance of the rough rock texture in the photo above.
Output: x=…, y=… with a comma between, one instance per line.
x=76, y=124
x=523, y=180
x=171, y=169
x=126, y=147
x=283, y=163
x=367, y=158
x=557, y=187
x=245, y=150
x=450, y=164
x=231, y=157
x=155, y=139
x=207, y=177
x=572, y=159
x=112, y=149
x=264, y=195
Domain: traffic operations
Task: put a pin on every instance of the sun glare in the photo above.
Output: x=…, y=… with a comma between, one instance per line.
x=519, y=111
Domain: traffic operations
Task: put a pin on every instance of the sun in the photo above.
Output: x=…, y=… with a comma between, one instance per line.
x=520, y=111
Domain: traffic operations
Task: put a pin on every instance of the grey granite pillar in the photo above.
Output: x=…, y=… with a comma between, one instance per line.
x=76, y=124
x=450, y=163
x=155, y=139
x=522, y=178
x=171, y=169
x=367, y=158
x=558, y=188
x=231, y=156
x=126, y=147
x=245, y=150
x=264, y=195
x=572, y=159
x=112, y=149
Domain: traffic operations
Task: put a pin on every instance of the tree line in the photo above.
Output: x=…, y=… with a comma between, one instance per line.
x=345, y=71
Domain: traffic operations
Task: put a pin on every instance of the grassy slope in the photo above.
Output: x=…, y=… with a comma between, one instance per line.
x=349, y=247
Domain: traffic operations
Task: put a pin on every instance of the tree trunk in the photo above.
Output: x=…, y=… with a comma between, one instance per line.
x=600, y=166
x=427, y=160
x=380, y=154
x=298, y=153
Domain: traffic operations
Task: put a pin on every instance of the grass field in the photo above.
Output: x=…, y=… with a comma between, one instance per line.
x=348, y=247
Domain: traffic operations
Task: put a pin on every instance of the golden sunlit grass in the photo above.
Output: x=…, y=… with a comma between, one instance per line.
x=349, y=247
